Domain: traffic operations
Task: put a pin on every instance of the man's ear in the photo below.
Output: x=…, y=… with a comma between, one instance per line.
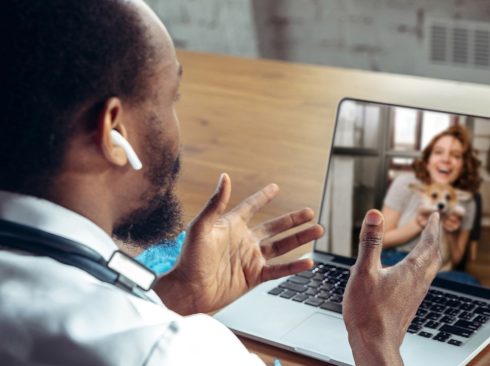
x=111, y=117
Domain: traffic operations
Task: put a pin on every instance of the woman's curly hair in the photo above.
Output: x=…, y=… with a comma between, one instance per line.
x=469, y=179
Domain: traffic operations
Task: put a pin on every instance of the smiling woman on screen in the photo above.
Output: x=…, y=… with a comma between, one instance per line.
x=446, y=175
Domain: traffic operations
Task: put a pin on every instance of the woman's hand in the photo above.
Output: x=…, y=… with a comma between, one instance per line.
x=422, y=217
x=451, y=222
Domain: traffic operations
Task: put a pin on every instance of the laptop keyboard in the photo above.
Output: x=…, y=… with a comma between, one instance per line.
x=442, y=316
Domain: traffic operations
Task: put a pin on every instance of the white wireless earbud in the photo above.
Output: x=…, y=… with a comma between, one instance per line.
x=120, y=141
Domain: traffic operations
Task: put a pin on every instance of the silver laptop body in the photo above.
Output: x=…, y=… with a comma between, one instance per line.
x=269, y=314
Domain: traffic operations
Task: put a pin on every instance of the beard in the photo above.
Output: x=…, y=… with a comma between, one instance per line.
x=159, y=219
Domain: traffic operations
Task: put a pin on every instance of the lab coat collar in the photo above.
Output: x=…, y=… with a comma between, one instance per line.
x=52, y=218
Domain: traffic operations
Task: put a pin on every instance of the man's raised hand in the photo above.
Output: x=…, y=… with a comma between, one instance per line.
x=380, y=303
x=224, y=257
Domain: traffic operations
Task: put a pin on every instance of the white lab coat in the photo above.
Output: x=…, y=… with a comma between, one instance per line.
x=54, y=314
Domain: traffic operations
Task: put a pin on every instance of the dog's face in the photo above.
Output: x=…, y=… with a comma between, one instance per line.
x=440, y=197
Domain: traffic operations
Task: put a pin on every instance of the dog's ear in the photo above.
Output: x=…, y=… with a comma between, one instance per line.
x=417, y=187
x=464, y=195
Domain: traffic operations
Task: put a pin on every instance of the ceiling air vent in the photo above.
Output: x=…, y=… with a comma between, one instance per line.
x=457, y=49
x=438, y=43
x=460, y=45
x=482, y=51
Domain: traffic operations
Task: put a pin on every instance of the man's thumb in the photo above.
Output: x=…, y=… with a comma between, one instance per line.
x=371, y=241
x=216, y=205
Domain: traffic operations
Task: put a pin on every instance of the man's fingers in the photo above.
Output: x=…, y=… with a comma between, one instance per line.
x=280, y=224
x=216, y=205
x=272, y=272
x=249, y=207
x=289, y=243
x=426, y=256
x=371, y=241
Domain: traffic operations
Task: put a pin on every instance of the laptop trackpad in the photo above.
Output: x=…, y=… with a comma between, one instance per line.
x=321, y=336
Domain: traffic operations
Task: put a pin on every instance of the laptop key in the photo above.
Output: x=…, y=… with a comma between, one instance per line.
x=482, y=311
x=466, y=315
x=326, y=287
x=336, y=298
x=311, y=291
x=324, y=295
x=306, y=274
x=300, y=297
x=342, y=284
x=455, y=342
x=293, y=286
x=298, y=280
x=437, y=308
x=314, y=283
x=433, y=316
x=448, y=319
x=319, y=277
x=421, y=312
x=314, y=301
x=439, y=300
x=435, y=292
x=413, y=328
x=418, y=320
x=425, y=334
x=467, y=306
x=466, y=324
x=442, y=337
x=322, y=270
x=288, y=294
x=432, y=324
x=276, y=291
x=332, y=306
x=480, y=303
x=453, y=303
x=452, y=311
x=481, y=319
x=459, y=331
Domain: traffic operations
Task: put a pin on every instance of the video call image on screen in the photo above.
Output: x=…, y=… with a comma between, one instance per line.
x=409, y=162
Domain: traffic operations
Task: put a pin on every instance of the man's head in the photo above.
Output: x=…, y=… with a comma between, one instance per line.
x=71, y=72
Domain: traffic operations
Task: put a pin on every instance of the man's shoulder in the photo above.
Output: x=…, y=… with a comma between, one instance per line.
x=65, y=305
x=67, y=289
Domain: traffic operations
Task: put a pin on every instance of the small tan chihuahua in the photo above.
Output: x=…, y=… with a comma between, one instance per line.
x=446, y=200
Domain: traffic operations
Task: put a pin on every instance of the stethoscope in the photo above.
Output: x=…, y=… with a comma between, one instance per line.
x=120, y=270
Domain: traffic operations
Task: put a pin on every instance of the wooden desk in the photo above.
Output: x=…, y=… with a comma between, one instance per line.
x=267, y=121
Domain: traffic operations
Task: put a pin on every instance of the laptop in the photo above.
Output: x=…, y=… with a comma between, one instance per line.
x=372, y=144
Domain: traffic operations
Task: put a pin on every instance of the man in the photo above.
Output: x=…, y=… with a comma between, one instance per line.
x=74, y=72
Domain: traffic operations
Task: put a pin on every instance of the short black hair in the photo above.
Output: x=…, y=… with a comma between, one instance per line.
x=57, y=56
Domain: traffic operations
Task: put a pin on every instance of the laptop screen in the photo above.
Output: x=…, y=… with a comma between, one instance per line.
x=408, y=162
